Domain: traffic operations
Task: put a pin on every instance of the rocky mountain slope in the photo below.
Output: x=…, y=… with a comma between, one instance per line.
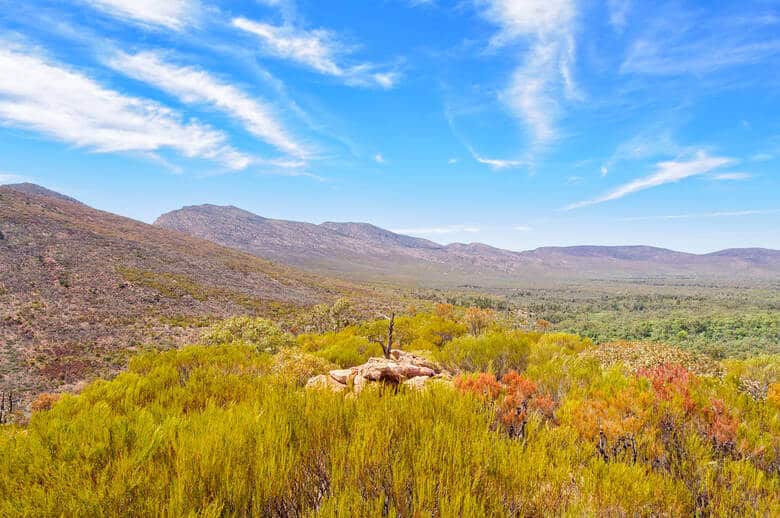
x=363, y=250
x=79, y=288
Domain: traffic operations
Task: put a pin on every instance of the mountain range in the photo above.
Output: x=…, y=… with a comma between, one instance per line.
x=366, y=251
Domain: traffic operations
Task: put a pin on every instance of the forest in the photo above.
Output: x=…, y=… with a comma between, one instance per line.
x=522, y=422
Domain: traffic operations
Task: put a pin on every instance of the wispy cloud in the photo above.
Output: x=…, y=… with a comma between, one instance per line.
x=379, y=159
x=762, y=157
x=666, y=172
x=496, y=164
x=704, y=215
x=317, y=49
x=546, y=72
x=653, y=142
x=173, y=14
x=64, y=104
x=522, y=228
x=193, y=85
x=651, y=57
x=680, y=43
x=449, y=229
x=731, y=176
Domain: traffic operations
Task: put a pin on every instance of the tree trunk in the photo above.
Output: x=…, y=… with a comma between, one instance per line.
x=389, y=347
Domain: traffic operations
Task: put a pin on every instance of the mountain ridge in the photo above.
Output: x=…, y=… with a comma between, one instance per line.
x=368, y=248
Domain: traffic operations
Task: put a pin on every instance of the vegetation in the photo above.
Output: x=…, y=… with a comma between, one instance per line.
x=532, y=424
x=714, y=319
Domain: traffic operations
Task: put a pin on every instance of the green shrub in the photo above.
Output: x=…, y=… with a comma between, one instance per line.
x=260, y=333
x=344, y=348
x=497, y=352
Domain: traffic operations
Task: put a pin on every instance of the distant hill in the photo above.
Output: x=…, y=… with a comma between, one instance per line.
x=368, y=251
x=37, y=190
x=80, y=287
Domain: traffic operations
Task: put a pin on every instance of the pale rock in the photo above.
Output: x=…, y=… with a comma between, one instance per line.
x=417, y=383
x=402, y=367
x=342, y=375
x=325, y=382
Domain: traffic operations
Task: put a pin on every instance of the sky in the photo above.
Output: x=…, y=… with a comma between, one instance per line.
x=517, y=123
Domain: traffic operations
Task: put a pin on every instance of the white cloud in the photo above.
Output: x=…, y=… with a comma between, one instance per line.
x=449, y=229
x=666, y=172
x=546, y=71
x=522, y=228
x=654, y=58
x=724, y=214
x=654, y=142
x=732, y=176
x=496, y=163
x=693, y=43
x=604, y=170
x=452, y=161
x=192, y=85
x=173, y=14
x=379, y=159
x=66, y=105
x=317, y=49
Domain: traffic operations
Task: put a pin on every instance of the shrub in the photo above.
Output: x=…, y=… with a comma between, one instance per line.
x=344, y=348
x=44, y=401
x=498, y=352
x=261, y=333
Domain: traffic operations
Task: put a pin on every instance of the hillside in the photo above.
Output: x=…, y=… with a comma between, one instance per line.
x=79, y=288
x=364, y=250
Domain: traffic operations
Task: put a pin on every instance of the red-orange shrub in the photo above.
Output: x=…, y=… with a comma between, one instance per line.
x=44, y=401
x=482, y=384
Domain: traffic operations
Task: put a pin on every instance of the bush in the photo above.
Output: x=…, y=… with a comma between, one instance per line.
x=260, y=333
x=345, y=348
x=497, y=352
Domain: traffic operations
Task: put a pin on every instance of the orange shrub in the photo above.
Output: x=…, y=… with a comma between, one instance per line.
x=773, y=394
x=721, y=425
x=44, y=401
x=445, y=311
x=670, y=380
x=482, y=384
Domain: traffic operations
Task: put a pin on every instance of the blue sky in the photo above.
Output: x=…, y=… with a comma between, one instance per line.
x=518, y=123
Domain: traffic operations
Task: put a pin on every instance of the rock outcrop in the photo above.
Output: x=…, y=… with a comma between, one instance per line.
x=401, y=368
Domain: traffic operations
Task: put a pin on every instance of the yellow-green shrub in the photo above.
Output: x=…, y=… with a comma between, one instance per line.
x=226, y=430
x=258, y=332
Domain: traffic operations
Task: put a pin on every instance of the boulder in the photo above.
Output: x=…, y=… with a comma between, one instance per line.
x=420, y=361
x=342, y=375
x=322, y=381
x=401, y=368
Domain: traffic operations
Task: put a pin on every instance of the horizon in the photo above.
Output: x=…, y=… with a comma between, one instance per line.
x=517, y=125
x=442, y=243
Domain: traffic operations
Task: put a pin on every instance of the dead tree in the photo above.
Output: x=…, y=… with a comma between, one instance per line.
x=6, y=406
x=386, y=344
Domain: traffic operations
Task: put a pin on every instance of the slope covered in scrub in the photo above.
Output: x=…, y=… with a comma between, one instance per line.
x=531, y=424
